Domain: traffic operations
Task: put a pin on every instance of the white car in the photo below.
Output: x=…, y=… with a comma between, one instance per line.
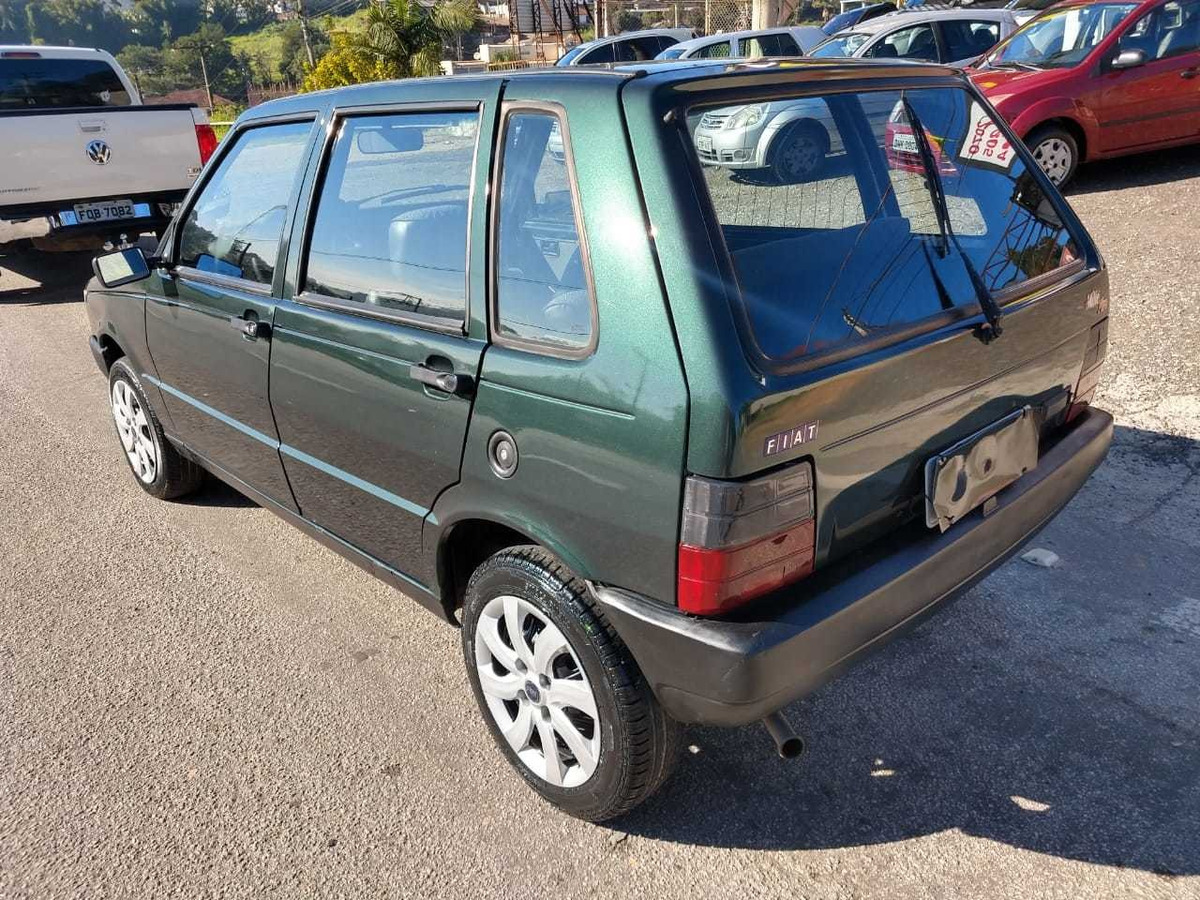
x=84, y=160
x=951, y=36
x=794, y=41
x=632, y=46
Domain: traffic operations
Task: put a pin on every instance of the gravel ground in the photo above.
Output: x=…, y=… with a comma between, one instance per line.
x=197, y=700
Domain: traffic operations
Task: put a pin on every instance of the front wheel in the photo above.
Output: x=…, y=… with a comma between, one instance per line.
x=1056, y=151
x=156, y=465
x=562, y=698
x=799, y=154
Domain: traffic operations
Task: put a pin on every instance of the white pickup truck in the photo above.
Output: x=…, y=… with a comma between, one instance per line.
x=83, y=159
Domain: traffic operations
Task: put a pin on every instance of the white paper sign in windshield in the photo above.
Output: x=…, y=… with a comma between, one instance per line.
x=984, y=143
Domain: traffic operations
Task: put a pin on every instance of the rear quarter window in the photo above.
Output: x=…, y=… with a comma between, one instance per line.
x=832, y=224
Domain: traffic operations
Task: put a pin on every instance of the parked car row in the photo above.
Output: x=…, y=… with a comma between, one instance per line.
x=1084, y=80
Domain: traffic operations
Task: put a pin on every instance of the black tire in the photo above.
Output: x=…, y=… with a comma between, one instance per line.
x=638, y=742
x=174, y=475
x=799, y=153
x=1056, y=151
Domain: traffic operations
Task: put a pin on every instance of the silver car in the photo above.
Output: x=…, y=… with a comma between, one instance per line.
x=791, y=139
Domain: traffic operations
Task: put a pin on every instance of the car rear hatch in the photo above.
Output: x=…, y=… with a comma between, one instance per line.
x=888, y=340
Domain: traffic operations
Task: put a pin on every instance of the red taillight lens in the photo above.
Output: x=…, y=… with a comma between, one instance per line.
x=740, y=540
x=206, y=140
x=1089, y=376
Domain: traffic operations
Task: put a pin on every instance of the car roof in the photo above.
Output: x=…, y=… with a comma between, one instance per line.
x=916, y=17
x=629, y=35
x=730, y=35
x=50, y=52
x=714, y=74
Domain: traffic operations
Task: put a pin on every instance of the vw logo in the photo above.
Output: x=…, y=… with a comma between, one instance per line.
x=99, y=153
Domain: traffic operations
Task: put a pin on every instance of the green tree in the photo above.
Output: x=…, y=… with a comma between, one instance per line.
x=205, y=55
x=454, y=18
x=400, y=40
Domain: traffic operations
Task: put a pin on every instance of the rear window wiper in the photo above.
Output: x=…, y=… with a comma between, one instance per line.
x=937, y=193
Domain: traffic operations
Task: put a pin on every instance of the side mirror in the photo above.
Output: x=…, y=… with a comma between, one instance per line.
x=1129, y=59
x=121, y=267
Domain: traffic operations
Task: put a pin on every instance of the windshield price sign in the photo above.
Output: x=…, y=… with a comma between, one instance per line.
x=984, y=143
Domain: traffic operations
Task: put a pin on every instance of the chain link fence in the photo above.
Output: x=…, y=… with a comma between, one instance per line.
x=705, y=16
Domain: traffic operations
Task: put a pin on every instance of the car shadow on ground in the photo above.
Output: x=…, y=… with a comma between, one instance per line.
x=42, y=278
x=1048, y=710
x=1140, y=170
x=216, y=493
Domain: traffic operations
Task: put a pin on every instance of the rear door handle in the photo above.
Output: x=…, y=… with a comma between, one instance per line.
x=446, y=382
x=1190, y=73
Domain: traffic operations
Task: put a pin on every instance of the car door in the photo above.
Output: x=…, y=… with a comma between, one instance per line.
x=376, y=350
x=208, y=317
x=1159, y=100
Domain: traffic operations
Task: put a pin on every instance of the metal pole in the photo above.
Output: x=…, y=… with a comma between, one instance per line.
x=207, y=87
x=304, y=31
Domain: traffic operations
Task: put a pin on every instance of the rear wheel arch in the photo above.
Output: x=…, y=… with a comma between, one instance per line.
x=467, y=543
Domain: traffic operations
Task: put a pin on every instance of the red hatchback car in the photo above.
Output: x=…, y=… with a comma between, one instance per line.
x=1099, y=78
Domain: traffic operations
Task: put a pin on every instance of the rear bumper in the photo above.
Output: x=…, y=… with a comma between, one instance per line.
x=732, y=672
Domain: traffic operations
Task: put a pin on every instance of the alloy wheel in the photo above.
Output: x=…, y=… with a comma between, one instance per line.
x=133, y=426
x=1055, y=157
x=537, y=692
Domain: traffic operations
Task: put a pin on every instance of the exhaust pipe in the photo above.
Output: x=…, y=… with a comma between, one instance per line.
x=789, y=744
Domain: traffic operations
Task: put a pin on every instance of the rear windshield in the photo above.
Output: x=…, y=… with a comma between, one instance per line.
x=55, y=83
x=843, y=226
x=842, y=45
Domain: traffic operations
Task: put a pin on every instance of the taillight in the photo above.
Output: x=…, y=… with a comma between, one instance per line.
x=1097, y=349
x=740, y=540
x=206, y=140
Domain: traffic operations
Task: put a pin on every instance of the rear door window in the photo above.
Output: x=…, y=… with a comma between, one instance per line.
x=838, y=239
x=233, y=228
x=917, y=42
x=59, y=83
x=780, y=44
x=390, y=232
x=967, y=39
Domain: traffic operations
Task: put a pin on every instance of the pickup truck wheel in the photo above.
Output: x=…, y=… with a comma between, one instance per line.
x=799, y=153
x=1056, y=151
x=562, y=697
x=156, y=465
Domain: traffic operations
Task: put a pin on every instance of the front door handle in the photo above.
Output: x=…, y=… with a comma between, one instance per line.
x=446, y=382
x=1190, y=73
x=250, y=327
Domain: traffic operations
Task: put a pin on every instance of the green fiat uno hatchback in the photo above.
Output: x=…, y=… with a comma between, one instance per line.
x=671, y=441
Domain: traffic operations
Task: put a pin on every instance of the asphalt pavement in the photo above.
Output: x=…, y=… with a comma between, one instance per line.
x=198, y=700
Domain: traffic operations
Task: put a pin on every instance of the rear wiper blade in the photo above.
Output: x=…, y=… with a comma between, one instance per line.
x=937, y=193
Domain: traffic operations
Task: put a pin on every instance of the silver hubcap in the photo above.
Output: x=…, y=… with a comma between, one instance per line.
x=134, y=429
x=537, y=692
x=800, y=156
x=1055, y=157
